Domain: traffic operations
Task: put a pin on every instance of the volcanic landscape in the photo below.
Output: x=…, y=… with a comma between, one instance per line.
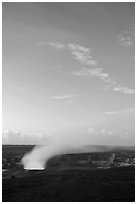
x=88, y=176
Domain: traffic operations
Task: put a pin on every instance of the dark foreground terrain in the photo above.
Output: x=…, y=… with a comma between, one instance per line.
x=101, y=177
x=116, y=184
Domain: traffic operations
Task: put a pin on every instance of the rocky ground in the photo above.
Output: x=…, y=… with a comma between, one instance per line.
x=102, y=185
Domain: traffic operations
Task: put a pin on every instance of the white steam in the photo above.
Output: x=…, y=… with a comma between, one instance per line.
x=38, y=157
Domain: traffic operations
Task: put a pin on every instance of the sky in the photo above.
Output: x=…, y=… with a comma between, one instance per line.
x=68, y=69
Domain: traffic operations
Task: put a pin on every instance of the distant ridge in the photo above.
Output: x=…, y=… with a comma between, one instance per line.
x=85, y=147
x=101, y=148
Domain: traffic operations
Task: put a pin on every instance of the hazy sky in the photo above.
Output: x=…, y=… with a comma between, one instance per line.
x=68, y=69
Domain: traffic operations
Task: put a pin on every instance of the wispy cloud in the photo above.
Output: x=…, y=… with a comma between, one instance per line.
x=80, y=53
x=110, y=112
x=92, y=131
x=110, y=132
x=63, y=97
x=103, y=76
x=102, y=131
x=83, y=56
x=98, y=72
x=125, y=90
x=57, y=45
x=68, y=98
x=127, y=39
x=130, y=110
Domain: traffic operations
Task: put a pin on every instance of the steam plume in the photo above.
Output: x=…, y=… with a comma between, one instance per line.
x=38, y=157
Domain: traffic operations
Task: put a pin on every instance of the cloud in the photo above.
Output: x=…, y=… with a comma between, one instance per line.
x=100, y=132
x=56, y=45
x=98, y=72
x=16, y=137
x=110, y=132
x=79, y=48
x=83, y=56
x=127, y=39
x=125, y=90
x=110, y=112
x=80, y=53
x=92, y=131
x=103, y=76
x=68, y=98
x=64, y=97
x=127, y=111
x=103, y=131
